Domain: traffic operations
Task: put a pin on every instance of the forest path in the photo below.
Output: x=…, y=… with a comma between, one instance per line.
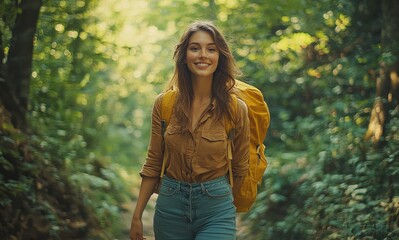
x=127, y=214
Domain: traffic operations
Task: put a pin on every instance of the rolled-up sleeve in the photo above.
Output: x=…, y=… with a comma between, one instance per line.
x=153, y=164
x=240, y=162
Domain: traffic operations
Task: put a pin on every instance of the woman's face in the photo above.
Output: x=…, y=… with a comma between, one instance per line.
x=202, y=55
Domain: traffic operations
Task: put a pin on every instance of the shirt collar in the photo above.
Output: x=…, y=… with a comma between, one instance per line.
x=208, y=110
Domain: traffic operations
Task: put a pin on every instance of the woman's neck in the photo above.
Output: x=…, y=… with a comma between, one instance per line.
x=202, y=89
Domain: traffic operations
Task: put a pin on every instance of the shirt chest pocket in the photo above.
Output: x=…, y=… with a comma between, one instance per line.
x=173, y=138
x=212, y=146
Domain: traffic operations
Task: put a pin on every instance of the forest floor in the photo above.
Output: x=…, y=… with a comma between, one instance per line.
x=128, y=213
x=147, y=219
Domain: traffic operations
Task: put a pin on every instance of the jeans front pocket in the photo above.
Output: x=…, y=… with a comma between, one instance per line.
x=168, y=189
x=218, y=190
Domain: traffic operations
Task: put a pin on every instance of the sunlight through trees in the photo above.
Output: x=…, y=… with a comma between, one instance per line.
x=77, y=88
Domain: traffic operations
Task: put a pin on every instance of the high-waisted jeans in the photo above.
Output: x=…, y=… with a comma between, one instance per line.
x=200, y=211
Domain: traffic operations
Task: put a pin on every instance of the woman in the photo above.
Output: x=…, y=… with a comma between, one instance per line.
x=195, y=199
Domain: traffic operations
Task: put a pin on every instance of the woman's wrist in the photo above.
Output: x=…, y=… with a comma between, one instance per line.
x=137, y=216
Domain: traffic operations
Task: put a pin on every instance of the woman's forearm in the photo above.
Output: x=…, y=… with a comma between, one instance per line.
x=147, y=187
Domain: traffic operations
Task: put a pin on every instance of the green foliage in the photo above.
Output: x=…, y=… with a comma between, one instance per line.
x=40, y=199
x=332, y=184
x=61, y=174
x=98, y=65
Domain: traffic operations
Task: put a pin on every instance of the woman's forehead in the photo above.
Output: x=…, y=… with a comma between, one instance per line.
x=201, y=37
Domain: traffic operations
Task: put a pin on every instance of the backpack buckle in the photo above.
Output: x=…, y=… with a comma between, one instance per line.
x=231, y=134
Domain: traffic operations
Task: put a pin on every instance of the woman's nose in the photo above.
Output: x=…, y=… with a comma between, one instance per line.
x=203, y=53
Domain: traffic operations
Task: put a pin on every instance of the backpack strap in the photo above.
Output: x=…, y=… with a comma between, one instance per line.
x=230, y=130
x=168, y=101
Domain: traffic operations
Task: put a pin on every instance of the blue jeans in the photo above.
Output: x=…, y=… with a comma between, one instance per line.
x=199, y=211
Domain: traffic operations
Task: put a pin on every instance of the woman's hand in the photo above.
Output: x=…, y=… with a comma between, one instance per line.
x=136, y=229
x=146, y=189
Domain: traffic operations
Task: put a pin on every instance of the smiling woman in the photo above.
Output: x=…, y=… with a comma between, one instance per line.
x=193, y=145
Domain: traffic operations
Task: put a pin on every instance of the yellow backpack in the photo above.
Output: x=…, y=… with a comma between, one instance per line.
x=259, y=118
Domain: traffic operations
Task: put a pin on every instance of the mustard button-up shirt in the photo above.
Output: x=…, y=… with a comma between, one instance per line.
x=199, y=154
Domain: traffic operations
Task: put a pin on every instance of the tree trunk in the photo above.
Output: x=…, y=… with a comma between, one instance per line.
x=15, y=80
x=387, y=95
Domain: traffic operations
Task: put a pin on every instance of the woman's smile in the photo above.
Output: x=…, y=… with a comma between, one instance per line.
x=202, y=65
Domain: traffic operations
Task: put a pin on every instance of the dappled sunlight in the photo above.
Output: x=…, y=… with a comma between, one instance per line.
x=75, y=115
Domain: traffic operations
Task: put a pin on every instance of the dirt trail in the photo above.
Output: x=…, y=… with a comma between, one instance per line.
x=147, y=219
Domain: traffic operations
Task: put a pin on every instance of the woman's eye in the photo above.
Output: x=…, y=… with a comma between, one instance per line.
x=212, y=50
x=194, y=49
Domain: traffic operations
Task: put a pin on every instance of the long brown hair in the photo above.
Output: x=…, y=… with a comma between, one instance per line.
x=223, y=78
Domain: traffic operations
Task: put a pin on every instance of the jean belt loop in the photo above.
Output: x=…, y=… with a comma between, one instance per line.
x=203, y=188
